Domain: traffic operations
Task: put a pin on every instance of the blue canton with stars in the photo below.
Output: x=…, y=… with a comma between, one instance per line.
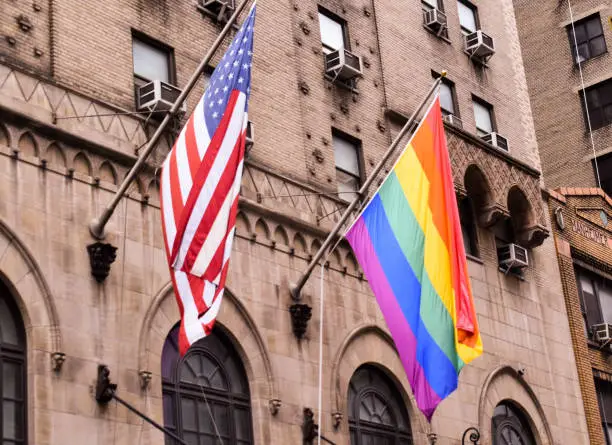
x=232, y=73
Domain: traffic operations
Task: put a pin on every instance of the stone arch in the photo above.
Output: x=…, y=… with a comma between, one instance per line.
x=261, y=230
x=523, y=218
x=351, y=263
x=82, y=164
x=162, y=314
x=479, y=191
x=370, y=344
x=299, y=243
x=107, y=173
x=505, y=384
x=243, y=227
x=27, y=145
x=335, y=259
x=5, y=138
x=280, y=235
x=315, y=246
x=55, y=156
x=23, y=276
x=152, y=190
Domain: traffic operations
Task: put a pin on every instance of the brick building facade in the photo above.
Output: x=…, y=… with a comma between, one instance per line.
x=584, y=252
x=556, y=83
x=68, y=72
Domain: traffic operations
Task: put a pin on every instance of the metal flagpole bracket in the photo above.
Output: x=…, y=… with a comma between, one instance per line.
x=105, y=391
x=96, y=226
x=297, y=289
x=472, y=434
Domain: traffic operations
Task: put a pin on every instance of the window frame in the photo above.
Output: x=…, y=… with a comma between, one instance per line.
x=584, y=101
x=474, y=10
x=596, y=280
x=15, y=354
x=343, y=25
x=583, y=22
x=490, y=108
x=427, y=7
x=154, y=43
x=453, y=90
x=603, y=416
x=606, y=181
x=360, y=160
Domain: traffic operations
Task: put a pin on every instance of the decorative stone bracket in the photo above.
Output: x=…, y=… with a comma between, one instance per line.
x=492, y=214
x=300, y=315
x=533, y=236
x=101, y=256
x=57, y=361
x=274, y=406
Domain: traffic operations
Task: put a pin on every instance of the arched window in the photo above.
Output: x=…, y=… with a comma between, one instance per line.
x=510, y=426
x=377, y=415
x=12, y=372
x=208, y=383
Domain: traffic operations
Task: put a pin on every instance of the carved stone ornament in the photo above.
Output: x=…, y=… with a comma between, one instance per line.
x=533, y=236
x=274, y=406
x=101, y=256
x=57, y=361
x=145, y=378
x=490, y=215
x=304, y=88
x=300, y=315
x=305, y=28
x=24, y=23
x=318, y=155
x=337, y=419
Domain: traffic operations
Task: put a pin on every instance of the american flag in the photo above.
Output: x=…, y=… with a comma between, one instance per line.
x=200, y=183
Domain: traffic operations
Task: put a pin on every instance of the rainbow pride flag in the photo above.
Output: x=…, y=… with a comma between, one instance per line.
x=408, y=241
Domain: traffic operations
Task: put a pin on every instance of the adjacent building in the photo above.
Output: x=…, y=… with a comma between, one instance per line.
x=82, y=85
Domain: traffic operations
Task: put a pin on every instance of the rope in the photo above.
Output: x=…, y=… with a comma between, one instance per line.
x=321, y=349
x=210, y=413
x=586, y=106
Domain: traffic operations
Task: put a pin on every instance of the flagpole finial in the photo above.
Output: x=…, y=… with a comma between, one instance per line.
x=443, y=73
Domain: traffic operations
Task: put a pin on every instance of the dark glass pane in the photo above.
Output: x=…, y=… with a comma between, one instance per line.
x=597, y=118
x=12, y=420
x=608, y=114
x=598, y=46
x=189, y=415
x=580, y=34
x=11, y=380
x=191, y=438
x=593, y=27
x=204, y=419
x=213, y=376
x=222, y=419
x=606, y=93
x=8, y=328
x=236, y=376
x=592, y=98
x=191, y=368
x=169, y=411
x=170, y=355
x=584, y=52
x=242, y=424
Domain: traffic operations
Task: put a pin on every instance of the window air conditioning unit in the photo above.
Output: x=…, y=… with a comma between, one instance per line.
x=512, y=256
x=434, y=19
x=479, y=46
x=602, y=333
x=250, y=137
x=343, y=65
x=158, y=96
x=453, y=120
x=496, y=140
x=220, y=10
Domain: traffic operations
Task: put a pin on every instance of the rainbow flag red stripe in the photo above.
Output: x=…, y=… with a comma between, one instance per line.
x=408, y=241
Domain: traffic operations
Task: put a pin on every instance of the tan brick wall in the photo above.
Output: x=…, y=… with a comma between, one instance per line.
x=554, y=84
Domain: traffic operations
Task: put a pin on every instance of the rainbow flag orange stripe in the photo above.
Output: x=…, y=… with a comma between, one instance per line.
x=408, y=241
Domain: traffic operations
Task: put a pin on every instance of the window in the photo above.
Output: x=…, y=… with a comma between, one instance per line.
x=468, y=17
x=589, y=38
x=333, y=31
x=432, y=4
x=510, y=427
x=483, y=115
x=377, y=414
x=210, y=378
x=604, y=398
x=604, y=166
x=595, y=298
x=12, y=373
x=599, y=104
x=348, y=171
x=468, y=226
x=152, y=61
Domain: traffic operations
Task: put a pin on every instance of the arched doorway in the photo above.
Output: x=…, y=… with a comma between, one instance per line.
x=510, y=426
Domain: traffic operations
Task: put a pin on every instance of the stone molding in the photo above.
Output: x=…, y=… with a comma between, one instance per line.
x=504, y=383
x=25, y=278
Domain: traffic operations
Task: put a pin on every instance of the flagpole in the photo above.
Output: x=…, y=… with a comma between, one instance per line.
x=297, y=289
x=96, y=226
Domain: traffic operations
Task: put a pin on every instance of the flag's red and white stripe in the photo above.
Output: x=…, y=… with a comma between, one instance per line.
x=200, y=183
